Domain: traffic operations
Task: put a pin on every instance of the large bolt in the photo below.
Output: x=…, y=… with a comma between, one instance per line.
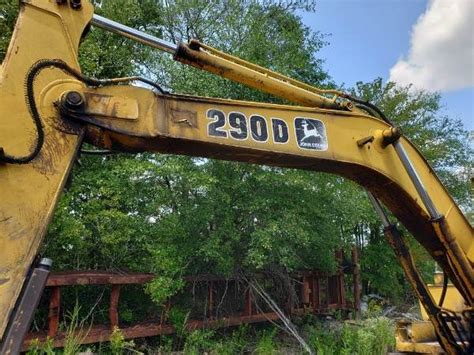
x=391, y=135
x=73, y=100
x=45, y=263
x=76, y=4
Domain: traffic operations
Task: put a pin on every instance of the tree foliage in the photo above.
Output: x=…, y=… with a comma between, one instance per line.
x=8, y=13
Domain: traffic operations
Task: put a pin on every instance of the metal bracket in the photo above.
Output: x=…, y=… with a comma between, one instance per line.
x=25, y=310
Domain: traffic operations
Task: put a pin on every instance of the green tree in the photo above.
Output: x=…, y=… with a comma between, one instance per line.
x=178, y=215
x=8, y=13
x=267, y=33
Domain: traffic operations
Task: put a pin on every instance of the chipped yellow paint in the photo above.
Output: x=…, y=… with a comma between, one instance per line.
x=28, y=192
x=111, y=106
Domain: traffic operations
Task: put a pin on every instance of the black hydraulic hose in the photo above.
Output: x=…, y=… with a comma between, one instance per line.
x=367, y=109
x=34, y=112
x=367, y=106
x=445, y=288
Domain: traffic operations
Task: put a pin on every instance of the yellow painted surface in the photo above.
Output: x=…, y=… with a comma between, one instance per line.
x=158, y=121
x=420, y=348
x=28, y=193
x=453, y=300
x=417, y=336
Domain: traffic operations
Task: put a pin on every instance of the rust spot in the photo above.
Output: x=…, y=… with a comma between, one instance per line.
x=14, y=230
x=66, y=126
x=50, y=154
x=4, y=281
x=111, y=106
x=184, y=117
x=115, y=108
x=57, y=143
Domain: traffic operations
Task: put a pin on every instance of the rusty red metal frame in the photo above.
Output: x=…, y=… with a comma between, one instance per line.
x=310, y=301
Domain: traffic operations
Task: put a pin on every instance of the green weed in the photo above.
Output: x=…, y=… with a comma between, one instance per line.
x=199, y=341
x=41, y=348
x=76, y=332
x=118, y=345
x=373, y=336
x=266, y=343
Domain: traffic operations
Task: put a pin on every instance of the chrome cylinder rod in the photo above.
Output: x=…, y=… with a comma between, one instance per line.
x=378, y=208
x=420, y=188
x=139, y=36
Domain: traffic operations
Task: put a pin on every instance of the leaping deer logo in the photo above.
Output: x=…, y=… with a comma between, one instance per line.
x=309, y=130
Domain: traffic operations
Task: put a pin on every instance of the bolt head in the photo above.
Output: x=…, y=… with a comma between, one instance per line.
x=46, y=262
x=397, y=132
x=75, y=4
x=73, y=99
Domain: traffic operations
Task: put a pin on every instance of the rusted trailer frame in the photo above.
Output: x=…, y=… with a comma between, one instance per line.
x=310, y=301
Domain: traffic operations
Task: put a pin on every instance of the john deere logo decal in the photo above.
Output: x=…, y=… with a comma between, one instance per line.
x=310, y=134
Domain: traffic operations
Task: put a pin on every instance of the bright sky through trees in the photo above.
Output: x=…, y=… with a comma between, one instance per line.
x=403, y=40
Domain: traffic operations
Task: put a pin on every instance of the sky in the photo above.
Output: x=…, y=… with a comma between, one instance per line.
x=429, y=43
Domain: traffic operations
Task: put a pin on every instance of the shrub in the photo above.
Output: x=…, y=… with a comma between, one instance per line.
x=199, y=341
x=41, y=348
x=118, y=344
x=266, y=343
x=374, y=336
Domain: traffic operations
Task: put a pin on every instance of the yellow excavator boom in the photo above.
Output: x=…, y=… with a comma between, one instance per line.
x=48, y=108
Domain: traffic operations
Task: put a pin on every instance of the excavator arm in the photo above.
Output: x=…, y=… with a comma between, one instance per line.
x=48, y=108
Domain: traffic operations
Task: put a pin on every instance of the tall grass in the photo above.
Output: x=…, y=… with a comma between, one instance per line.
x=76, y=331
x=266, y=344
x=374, y=336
